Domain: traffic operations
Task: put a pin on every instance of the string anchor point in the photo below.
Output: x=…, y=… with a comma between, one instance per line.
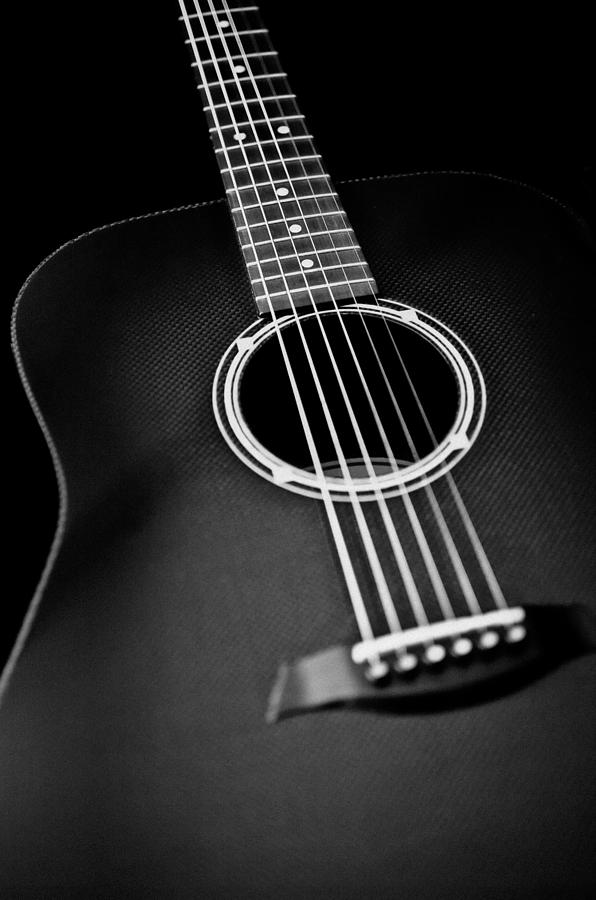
x=462, y=646
x=488, y=639
x=434, y=654
x=377, y=671
x=405, y=662
x=515, y=634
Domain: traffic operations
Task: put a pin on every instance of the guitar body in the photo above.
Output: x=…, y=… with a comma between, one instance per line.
x=136, y=758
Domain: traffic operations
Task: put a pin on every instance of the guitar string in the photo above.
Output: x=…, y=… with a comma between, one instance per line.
x=253, y=128
x=463, y=578
x=355, y=595
x=456, y=561
x=249, y=117
x=455, y=558
x=481, y=555
x=401, y=559
x=349, y=575
x=434, y=576
x=423, y=546
x=374, y=562
x=432, y=570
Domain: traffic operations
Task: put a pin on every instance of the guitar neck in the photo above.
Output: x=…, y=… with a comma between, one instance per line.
x=298, y=245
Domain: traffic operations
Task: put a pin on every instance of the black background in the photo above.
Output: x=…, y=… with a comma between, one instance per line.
x=104, y=122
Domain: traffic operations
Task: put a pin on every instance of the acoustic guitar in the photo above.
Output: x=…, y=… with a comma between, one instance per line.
x=318, y=618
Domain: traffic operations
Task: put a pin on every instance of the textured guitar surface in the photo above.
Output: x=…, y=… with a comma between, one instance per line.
x=136, y=760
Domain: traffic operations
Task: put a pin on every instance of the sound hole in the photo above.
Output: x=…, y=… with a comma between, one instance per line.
x=402, y=370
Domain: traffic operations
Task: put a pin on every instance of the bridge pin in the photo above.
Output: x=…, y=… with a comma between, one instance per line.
x=377, y=671
x=515, y=634
x=462, y=646
x=436, y=653
x=405, y=662
x=488, y=639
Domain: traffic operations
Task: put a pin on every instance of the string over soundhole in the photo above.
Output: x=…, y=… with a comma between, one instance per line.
x=403, y=393
x=529, y=642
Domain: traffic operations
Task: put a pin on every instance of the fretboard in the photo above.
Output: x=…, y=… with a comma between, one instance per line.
x=297, y=242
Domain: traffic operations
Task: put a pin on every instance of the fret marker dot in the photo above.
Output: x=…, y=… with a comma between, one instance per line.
x=223, y=23
x=307, y=263
x=283, y=129
x=239, y=69
x=295, y=228
x=239, y=136
x=282, y=192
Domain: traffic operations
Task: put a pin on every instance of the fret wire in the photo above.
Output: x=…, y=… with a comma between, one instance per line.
x=260, y=122
x=309, y=182
x=221, y=12
x=249, y=187
x=300, y=137
x=348, y=233
x=495, y=589
x=313, y=287
x=495, y=593
x=263, y=107
x=373, y=560
x=240, y=124
x=250, y=100
x=247, y=103
x=349, y=236
x=216, y=37
x=351, y=580
x=208, y=90
x=256, y=77
x=306, y=235
x=480, y=553
x=317, y=215
x=303, y=253
x=244, y=103
x=350, y=576
x=404, y=568
x=307, y=272
x=212, y=107
x=218, y=59
x=281, y=200
x=273, y=162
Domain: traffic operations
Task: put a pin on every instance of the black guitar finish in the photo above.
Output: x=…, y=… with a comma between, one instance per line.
x=136, y=759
